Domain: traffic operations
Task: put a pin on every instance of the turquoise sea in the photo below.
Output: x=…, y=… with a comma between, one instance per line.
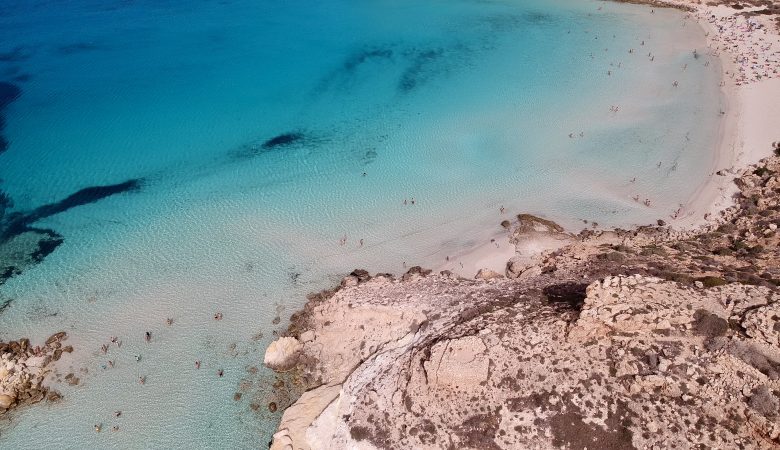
x=176, y=159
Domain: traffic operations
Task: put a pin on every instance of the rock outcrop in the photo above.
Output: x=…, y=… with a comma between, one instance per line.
x=23, y=369
x=646, y=338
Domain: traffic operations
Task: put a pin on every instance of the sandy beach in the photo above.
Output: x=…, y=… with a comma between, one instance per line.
x=748, y=49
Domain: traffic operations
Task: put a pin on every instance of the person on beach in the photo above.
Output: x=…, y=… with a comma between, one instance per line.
x=117, y=413
x=220, y=372
x=98, y=427
x=197, y=364
x=502, y=209
x=361, y=243
x=137, y=358
x=169, y=321
x=141, y=380
x=218, y=316
x=148, y=336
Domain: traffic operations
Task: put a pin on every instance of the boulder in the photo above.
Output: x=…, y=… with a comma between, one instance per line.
x=487, y=274
x=6, y=401
x=282, y=354
x=361, y=275
x=55, y=337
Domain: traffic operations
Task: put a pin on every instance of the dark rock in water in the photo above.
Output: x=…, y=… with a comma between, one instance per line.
x=283, y=140
x=47, y=245
x=23, y=245
x=369, y=156
x=22, y=221
x=5, y=204
x=86, y=196
x=419, y=70
x=361, y=57
x=78, y=47
x=8, y=93
x=19, y=53
x=22, y=77
x=361, y=275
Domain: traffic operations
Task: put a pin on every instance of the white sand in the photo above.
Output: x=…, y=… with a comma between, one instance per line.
x=749, y=50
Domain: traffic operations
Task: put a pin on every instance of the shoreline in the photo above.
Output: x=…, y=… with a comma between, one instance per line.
x=735, y=150
x=425, y=348
x=637, y=318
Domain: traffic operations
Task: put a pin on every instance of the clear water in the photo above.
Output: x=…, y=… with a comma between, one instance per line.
x=463, y=105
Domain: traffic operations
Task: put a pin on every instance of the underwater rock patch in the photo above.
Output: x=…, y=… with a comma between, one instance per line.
x=18, y=53
x=78, y=47
x=419, y=70
x=283, y=140
x=354, y=61
x=8, y=93
x=22, y=246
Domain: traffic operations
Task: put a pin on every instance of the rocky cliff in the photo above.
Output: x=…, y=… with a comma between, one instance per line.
x=648, y=338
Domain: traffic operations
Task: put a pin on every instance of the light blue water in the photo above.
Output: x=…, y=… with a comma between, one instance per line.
x=462, y=105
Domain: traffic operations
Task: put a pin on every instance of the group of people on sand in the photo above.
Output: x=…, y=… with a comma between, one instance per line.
x=757, y=51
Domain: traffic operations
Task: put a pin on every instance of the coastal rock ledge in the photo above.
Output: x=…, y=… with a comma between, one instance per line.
x=650, y=338
x=639, y=363
x=23, y=369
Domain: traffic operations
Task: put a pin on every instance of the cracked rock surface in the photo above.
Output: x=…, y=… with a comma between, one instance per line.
x=645, y=338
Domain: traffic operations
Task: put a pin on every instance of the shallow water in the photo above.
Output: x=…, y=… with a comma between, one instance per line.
x=250, y=126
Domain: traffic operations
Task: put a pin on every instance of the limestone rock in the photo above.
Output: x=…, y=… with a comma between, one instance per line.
x=6, y=401
x=282, y=354
x=487, y=274
x=297, y=418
